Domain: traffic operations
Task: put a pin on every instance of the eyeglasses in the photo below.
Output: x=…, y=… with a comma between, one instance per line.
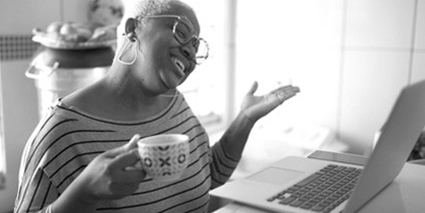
x=183, y=32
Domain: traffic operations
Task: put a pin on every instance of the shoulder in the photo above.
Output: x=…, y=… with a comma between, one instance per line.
x=51, y=128
x=86, y=99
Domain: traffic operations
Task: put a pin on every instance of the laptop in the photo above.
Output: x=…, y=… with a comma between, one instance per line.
x=279, y=187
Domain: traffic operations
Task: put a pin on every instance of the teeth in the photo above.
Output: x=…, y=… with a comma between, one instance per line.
x=179, y=65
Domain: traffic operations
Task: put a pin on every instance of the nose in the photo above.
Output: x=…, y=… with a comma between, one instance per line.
x=189, y=50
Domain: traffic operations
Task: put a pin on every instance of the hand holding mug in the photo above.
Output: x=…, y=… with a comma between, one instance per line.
x=108, y=176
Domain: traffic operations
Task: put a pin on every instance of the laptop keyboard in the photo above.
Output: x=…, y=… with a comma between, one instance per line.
x=321, y=191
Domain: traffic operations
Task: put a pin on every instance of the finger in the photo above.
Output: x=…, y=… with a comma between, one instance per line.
x=281, y=95
x=125, y=159
x=286, y=88
x=137, y=166
x=284, y=95
x=131, y=176
x=296, y=89
x=132, y=144
x=253, y=88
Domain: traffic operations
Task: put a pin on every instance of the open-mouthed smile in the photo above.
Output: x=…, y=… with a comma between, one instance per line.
x=180, y=65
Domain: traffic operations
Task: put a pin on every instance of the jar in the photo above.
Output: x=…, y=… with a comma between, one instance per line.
x=59, y=72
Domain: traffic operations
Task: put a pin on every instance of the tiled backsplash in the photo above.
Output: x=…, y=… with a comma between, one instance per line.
x=17, y=47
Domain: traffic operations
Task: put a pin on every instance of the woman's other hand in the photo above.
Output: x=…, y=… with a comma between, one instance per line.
x=255, y=107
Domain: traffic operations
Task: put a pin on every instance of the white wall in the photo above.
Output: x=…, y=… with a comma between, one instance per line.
x=350, y=59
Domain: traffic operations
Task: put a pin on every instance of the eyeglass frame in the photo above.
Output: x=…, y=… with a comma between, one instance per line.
x=198, y=39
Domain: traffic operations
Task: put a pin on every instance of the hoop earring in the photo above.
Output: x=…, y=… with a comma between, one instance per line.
x=120, y=54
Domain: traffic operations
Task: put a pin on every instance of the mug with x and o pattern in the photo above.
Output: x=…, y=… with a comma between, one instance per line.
x=164, y=157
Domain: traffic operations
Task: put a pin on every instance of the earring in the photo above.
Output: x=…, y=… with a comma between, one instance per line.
x=120, y=54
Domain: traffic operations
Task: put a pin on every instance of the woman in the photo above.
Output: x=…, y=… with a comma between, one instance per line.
x=83, y=156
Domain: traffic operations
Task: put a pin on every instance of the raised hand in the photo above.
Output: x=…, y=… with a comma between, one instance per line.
x=255, y=107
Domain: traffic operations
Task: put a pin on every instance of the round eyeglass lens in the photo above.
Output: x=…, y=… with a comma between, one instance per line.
x=202, y=52
x=184, y=33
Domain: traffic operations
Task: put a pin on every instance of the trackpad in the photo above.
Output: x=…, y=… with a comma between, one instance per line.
x=276, y=176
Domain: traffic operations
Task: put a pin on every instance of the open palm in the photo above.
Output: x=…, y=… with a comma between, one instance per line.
x=255, y=107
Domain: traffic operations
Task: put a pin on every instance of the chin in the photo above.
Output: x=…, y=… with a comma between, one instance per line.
x=170, y=82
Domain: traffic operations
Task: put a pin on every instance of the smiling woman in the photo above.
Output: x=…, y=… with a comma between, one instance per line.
x=83, y=155
x=125, y=105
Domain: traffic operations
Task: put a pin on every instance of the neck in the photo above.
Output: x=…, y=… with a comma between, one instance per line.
x=127, y=91
x=128, y=96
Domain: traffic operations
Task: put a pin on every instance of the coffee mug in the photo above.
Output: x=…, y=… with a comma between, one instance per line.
x=164, y=157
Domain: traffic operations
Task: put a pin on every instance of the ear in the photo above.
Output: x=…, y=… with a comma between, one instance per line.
x=130, y=29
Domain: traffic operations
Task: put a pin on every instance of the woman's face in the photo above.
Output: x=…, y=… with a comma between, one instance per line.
x=165, y=62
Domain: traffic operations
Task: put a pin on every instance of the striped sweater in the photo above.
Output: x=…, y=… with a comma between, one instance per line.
x=65, y=142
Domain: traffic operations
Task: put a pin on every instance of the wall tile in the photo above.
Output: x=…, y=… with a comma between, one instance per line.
x=20, y=17
x=371, y=82
x=379, y=23
x=420, y=26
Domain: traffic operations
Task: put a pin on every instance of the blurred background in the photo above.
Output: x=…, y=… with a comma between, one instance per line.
x=349, y=57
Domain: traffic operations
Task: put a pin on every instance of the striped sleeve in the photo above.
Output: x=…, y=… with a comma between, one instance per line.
x=35, y=191
x=39, y=193
x=222, y=165
x=54, y=157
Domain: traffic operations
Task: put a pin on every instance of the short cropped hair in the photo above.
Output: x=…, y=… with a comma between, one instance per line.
x=148, y=7
x=135, y=8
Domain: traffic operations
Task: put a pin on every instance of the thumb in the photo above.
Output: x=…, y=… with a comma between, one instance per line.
x=132, y=144
x=253, y=88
